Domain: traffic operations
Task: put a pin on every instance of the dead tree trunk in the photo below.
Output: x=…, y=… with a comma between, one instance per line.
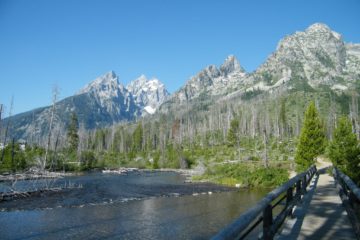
x=354, y=114
x=266, y=161
x=55, y=93
x=7, y=128
x=13, y=164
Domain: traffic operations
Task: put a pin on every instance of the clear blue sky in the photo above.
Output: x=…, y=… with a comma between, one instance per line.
x=71, y=42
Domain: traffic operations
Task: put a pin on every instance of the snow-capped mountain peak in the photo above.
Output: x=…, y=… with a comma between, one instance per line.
x=111, y=95
x=148, y=93
x=139, y=81
x=108, y=82
x=316, y=59
x=145, y=94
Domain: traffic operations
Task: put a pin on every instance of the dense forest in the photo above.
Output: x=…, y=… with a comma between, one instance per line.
x=260, y=131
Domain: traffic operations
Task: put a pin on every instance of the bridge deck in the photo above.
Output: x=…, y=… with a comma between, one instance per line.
x=321, y=214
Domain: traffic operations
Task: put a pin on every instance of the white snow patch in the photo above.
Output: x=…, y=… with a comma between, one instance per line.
x=286, y=77
x=150, y=109
x=339, y=87
x=336, y=35
x=263, y=87
x=259, y=86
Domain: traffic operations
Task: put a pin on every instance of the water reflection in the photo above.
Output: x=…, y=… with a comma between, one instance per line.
x=183, y=217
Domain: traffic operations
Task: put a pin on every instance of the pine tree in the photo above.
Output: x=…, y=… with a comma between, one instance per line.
x=72, y=134
x=312, y=139
x=138, y=138
x=344, y=151
x=233, y=134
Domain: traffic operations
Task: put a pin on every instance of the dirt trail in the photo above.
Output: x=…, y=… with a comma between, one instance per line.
x=321, y=163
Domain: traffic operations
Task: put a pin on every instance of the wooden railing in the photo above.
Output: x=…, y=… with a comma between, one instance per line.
x=287, y=195
x=350, y=196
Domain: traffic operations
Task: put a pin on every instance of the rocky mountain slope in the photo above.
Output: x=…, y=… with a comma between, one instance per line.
x=312, y=60
x=110, y=96
x=209, y=84
x=100, y=103
x=316, y=59
x=212, y=81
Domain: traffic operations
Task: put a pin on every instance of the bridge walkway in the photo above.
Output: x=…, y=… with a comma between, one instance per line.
x=320, y=215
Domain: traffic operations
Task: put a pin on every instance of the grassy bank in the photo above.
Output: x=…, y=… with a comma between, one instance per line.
x=245, y=175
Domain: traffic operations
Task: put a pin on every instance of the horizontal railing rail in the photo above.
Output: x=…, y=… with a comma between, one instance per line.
x=263, y=211
x=350, y=195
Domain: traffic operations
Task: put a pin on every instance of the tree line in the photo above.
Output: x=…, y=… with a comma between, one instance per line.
x=180, y=137
x=343, y=148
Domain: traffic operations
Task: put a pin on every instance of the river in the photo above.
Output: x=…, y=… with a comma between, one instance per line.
x=139, y=205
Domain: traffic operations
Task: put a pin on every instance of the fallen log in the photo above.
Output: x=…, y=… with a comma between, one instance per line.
x=9, y=196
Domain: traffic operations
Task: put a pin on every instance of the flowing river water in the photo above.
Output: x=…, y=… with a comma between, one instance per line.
x=138, y=205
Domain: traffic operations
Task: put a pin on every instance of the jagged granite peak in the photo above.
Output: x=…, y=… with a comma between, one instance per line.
x=231, y=65
x=205, y=77
x=137, y=83
x=211, y=71
x=316, y=56
x=316, y=59
x=107, y=82
x=110, y=94
x=148, y=94
x=318, y=27
x=212, y=81
x=323, y=30
x=102, y=102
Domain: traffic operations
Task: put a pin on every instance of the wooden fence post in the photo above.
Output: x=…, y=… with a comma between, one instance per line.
x=304, y=184
x=298, y=187
x=267, y=223
x=289, y=198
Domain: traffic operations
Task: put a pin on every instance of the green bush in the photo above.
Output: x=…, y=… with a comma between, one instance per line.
x=88, y=160
x=14, y=159
x=248, y=175
x=156, y=158
x=268, y=177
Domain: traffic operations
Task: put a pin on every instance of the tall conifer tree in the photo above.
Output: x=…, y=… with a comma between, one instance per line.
x=344, y=151
x=233, y=134
x=312, y=139
x=138, y=137
x=72, y=134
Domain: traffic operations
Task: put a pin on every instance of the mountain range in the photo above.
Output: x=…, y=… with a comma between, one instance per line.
x=316, y=59
x=102, y=102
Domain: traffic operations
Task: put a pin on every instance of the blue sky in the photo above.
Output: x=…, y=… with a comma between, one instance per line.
x=69, y=43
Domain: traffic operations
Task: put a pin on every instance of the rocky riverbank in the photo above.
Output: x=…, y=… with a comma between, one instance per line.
x=34, y=175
